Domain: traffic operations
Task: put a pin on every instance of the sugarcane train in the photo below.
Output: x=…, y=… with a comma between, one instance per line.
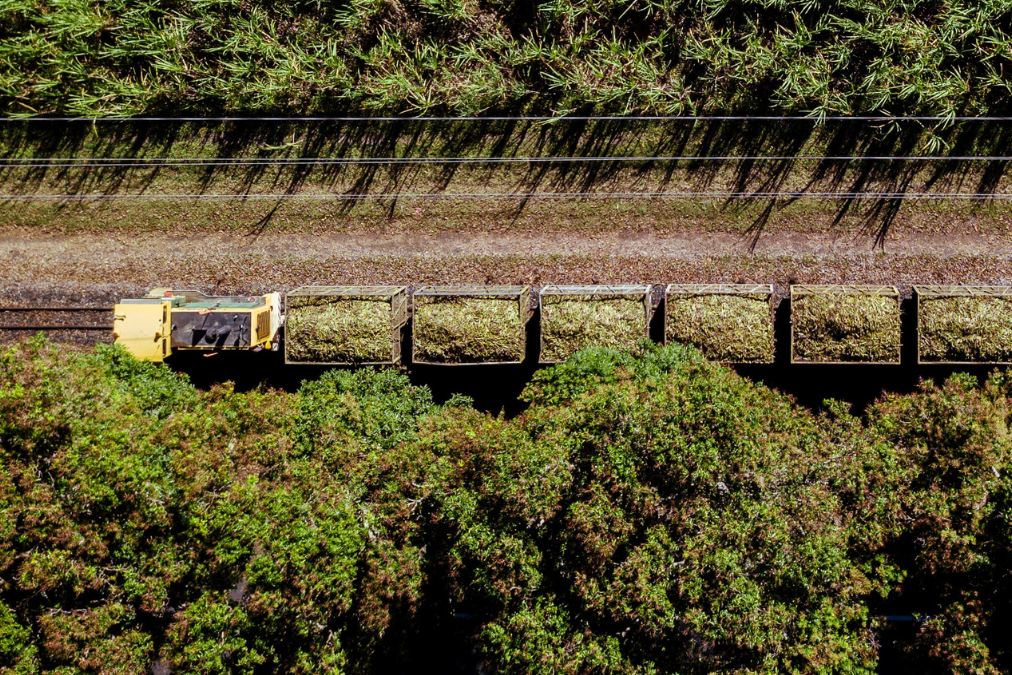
x=460, y=325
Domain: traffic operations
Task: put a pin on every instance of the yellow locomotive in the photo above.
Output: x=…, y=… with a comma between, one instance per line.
x=167, y=320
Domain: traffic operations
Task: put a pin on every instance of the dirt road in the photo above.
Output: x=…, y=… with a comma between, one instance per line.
x=111, y=264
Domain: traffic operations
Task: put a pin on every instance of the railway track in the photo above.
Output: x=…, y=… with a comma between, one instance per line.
x=18, y=318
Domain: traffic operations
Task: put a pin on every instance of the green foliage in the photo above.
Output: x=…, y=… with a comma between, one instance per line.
x=958, y=541
x=468, y=330
x=667, y=516
x=570, y=324
x=17, y=653
x=87, y=448
x=326, y=330
x=965, y=329
x=93, y=57
x=729, y=328
x=377, y=407
x=845, y=327
x=144, y=520
x=649, y=512
x=586, y=370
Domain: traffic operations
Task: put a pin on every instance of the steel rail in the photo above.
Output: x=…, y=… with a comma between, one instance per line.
x=101, y=162
x=51, y=327
x=962, y=196
x=530, y=118
x=56, y=309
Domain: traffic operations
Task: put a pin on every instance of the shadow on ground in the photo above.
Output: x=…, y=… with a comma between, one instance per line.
x=786, y=148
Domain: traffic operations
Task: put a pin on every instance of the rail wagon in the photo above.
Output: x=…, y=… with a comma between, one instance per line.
x=457, y=325
x=964, y=324
x=730, y=323
x=579, y=317
x=345, y=325
x=845, y=324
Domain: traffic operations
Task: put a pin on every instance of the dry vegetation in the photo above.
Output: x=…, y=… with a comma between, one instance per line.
x=468, y=330
x=338, y=330
x=231, y=265
x=975, y=329
x=845, y=327
x=728, y=328
x=573, y=323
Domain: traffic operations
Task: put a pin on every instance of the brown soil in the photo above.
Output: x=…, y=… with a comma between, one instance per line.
x=111, y=264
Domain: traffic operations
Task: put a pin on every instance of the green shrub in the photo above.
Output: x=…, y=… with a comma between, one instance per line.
x=965, y=329
x=669, y=517
x=731, y=328
x=649, y=512
x=956, y=546
x=570, y=324
x=588, y=369
x=468, y=330
x=18, y=655
x=327, y=330
x=845, y=327
x=218, y=531
x=94, y=556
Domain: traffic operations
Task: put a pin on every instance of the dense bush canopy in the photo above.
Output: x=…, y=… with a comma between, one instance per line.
x=220, y=532
x=90, y=57
x=675, y=519
x=957, y=537
x=648, y=513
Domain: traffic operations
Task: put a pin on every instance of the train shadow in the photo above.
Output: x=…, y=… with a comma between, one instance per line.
x=497, y=388
x=859, y=385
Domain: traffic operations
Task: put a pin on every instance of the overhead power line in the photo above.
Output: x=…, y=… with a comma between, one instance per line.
x=506, y=118
x=965, y=196
x=142, y=162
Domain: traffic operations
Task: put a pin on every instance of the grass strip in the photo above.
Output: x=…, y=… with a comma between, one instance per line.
x=730, y=328
x=468, y=330
x=977, y=329
x=845, y=327
x=338, y=330
x=573, y=323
